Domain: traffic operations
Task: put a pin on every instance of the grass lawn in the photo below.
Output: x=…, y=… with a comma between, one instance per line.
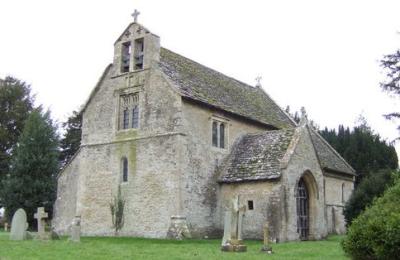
x=138, y=248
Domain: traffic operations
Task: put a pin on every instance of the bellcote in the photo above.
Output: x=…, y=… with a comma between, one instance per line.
x=136, y=49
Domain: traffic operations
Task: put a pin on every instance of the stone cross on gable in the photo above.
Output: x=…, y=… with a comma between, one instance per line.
x=135, y=15
x=258, y=81
x=40, y=215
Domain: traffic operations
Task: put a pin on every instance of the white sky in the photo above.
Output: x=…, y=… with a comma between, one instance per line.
x=319, y=54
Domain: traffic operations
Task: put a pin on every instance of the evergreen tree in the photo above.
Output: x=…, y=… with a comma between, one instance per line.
x=364, y=150
x=71, y=140
x=32, y=179
x=16, y=102
x=391, y=64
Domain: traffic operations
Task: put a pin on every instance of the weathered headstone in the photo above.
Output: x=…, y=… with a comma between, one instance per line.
x=19, y=226
x=40, y=215
x=76, y=229
x=266, y=246
x=232, y=240
x=178, y=228
x=6, y=227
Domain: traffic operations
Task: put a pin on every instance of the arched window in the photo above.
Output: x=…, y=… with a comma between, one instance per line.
x=135, y=117
x=125, y=120
x=215, y=134
x=124, y=169
x=342, y=192
x=222, y=135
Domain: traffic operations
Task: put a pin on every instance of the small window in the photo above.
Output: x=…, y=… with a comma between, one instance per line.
x=218, y=134
x=342, y=192
x=125, y=123
x=139, y=53
x=215, y=134
x=124, y=169
x=126, y=56
x=250, y=204
x=222, y=135
x=135, y=117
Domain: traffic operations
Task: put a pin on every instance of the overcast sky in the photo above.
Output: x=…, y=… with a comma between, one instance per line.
x=323, y=55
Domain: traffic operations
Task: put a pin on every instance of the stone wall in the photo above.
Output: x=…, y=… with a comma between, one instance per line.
x=267, y=202
x=152, y=150
x=304, y=163
x=66, y=201
x=200, y=159
x=337, y=191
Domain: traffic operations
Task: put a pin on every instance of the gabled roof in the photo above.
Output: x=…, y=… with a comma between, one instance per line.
x=257, y=156
x=328, y=157
x=202, y=84
x=127, y=29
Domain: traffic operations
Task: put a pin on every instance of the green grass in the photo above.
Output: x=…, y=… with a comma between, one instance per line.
x=139, y=248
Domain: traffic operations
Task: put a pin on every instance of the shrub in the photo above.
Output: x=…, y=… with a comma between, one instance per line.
x=375, y=234
x=372, y=186
x=117, y=211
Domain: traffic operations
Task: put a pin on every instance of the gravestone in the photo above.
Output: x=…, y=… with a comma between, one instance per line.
x=19, y=226
x=232, y=240
x=41, y=215
x=266, y=246
x=76, y=229
x=6, y=227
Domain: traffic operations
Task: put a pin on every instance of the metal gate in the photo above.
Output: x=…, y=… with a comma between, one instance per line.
x=302, y=210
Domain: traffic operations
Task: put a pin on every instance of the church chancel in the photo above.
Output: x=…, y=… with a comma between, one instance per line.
x=181, y=140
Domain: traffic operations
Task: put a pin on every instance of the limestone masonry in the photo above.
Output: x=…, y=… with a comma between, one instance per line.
x=181, y=141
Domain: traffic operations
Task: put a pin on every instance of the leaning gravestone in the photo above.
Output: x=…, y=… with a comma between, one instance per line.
x=19, y=226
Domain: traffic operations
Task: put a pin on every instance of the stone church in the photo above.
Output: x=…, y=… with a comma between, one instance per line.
x=180, y=140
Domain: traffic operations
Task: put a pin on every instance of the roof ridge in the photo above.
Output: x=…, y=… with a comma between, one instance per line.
x=209, y=86
x=271, y=131
x=214, y=70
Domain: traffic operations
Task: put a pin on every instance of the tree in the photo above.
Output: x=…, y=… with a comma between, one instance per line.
x=391, y=65
x=16, y=102
x=364, y=150
x=375, y=234
x=371, y=187
x=32, y=179
x=71, y=140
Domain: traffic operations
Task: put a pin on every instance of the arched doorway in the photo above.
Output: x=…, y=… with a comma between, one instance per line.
x=302, y=209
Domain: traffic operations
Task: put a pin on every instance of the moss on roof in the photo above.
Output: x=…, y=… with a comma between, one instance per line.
x=203, y=84
x=257, y=157
x=328, y=157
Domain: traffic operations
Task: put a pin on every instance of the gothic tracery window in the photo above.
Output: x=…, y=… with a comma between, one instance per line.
x=129, y=111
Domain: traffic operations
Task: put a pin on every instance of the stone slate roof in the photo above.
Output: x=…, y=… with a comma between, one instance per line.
x=202, y=84
x=257, y=156
x=328, y=157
